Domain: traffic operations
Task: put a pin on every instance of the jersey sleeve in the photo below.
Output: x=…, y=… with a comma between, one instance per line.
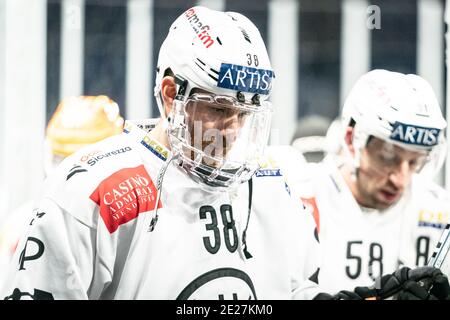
x=305, y=245
x=54, y=258
x=427, y=214
x=303, y=229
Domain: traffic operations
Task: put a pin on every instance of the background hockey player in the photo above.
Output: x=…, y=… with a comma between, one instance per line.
x=374, y=211
x=76, y=123
x=310, y=137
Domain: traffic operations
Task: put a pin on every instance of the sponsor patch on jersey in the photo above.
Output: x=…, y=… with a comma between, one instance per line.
x=155, y=148
x=268, y=173
x=438, y=220
x=127, y=127
x=124, y=195
x=86, y=156
x=246, y=79
x=415, y=135
x=93, y=157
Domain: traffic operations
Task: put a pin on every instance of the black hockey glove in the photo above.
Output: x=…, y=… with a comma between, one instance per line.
x=341, y=295
x=424, y=283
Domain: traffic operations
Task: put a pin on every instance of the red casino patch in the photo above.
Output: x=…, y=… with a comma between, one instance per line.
x=124, y=195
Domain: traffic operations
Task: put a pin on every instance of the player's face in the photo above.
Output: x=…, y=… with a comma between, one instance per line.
x=213, y=124
x=385, y=172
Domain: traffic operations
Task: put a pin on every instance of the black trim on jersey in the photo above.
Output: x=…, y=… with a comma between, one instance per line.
x=316, y=234
x=74, y=171
x=244, y=234
x=36, y=295
x=335, y=183
x=315, y=276
x=216, y=274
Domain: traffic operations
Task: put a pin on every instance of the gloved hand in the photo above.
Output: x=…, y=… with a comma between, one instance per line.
x=341, y=295
x=436, y=288
x=424, y=283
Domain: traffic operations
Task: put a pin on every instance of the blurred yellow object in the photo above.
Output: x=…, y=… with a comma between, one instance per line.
x=83, y=120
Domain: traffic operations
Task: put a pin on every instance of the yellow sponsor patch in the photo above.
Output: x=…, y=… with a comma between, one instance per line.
x=434, y=219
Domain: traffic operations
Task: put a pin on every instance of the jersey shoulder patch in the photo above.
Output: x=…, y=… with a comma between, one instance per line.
x=268, y=167
x=110, y=175
x=124, y=195
x=97, y=156
x=434, y=204
x=278, y=160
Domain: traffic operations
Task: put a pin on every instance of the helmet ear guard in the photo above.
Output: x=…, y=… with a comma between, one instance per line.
x=359, y=140
x=182, y=83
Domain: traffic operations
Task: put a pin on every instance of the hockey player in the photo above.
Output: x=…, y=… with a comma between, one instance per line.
x=76, y=123
x=374, y=211
x=182, y=210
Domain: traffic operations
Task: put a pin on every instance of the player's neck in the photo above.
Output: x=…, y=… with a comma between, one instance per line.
x=350, y=179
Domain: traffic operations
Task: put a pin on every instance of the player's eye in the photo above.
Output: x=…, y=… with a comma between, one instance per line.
x=243, y=114
x=218, y=110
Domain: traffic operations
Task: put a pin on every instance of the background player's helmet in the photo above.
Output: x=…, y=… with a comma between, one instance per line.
x=400, y=109
x=223, y=55
x=333, y=138
x=78, y=122
x=310, y=137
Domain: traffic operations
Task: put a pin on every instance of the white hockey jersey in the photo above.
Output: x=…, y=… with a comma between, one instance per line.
x=359, y=244
x=14, y=226
x=90, y=237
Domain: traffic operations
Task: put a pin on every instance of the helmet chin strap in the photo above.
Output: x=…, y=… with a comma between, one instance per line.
x=165, y=123
x=159, y=183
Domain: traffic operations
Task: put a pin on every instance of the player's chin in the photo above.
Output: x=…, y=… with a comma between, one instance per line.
x=387, y=199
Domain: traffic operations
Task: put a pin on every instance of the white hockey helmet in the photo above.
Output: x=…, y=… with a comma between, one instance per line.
x=224, y=55
x=397, y=108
